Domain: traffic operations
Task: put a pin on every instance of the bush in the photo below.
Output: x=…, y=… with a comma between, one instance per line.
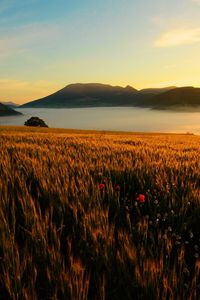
x=35, y=122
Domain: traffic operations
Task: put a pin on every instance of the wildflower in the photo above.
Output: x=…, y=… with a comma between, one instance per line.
x=101, y=186
x=165, y=236
x=186, y=271
x=117, y=188
x=177, y=243
x=141, y=198
x=191, y=235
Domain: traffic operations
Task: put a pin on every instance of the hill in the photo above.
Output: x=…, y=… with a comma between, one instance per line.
x=98, y=95
x=87, y=95
x=154, y=91
x=7, y=111
x=10, y=104
x=178, y=97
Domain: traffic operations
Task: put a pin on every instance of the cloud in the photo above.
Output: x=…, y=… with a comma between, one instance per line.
x=196, y=1
x=177, y=37
x=26, y=37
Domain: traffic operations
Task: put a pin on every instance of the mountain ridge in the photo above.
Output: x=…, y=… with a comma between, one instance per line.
x=99, y=95
x=10, y=104
x=7, y=111
x=184, y=96
x=95, y=95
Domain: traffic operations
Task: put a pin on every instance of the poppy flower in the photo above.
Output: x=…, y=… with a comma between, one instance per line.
x=141, y=198
x=101, y=186
x=117, y=188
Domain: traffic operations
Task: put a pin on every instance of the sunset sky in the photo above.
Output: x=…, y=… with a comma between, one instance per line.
x=47, y=44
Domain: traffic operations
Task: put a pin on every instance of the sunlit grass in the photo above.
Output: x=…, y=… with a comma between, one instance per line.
x=72, y=225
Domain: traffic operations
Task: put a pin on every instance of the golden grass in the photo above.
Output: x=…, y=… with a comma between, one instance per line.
x=64, y=237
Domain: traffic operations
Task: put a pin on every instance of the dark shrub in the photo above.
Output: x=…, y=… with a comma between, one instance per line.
x=35, y=122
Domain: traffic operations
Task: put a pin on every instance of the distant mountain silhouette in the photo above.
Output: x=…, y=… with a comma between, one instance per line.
x=87, y=95
x=96, y=95
x=157, y=91
x=178, y=97
x=10, y=104
x=7, y=111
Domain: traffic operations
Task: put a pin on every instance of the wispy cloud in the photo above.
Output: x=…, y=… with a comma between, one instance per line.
x=196, y=1
x=177, y=37
x=28, y=36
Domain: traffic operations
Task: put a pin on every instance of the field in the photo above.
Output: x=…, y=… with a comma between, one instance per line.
x=88, y=215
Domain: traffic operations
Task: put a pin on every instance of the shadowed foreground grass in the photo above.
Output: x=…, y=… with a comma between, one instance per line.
x=71, y=226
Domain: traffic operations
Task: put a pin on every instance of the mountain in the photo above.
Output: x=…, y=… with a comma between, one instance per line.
x=89, y=95
x=154, y=91
x=177, y=98
x=96, y=95
x=7, y=111
x=10, y=104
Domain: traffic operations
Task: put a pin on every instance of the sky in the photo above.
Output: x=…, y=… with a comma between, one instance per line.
x=46, y=45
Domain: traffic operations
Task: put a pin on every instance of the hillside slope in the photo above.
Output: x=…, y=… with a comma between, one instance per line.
x=7, y=111
x=86, y=95
x=179, y=97
x=10, y=104
x=96, y=95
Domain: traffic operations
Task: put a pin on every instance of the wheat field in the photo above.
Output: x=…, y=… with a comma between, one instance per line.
x=98, y=215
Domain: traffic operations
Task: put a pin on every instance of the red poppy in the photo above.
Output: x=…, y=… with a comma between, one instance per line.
x=141, y=198
x=117, y=188
x=101, y=186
